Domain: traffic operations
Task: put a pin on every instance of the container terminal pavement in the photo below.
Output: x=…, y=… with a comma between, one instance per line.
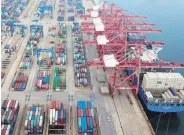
x=47, y=86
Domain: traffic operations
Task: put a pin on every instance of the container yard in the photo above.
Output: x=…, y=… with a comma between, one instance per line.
x=9, y=112
x=71, y=67
x=42, y=80
x=59, y=79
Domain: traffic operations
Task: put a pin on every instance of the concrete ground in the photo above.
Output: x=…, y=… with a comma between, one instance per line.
x=117, y=116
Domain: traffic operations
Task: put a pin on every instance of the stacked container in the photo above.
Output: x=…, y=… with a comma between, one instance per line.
x=42, y=82
x=57, y=113
x=6, y=129
x=80, y=67
x=59, y=81
x=135, y=37
x=34, y=122
x=61, y=10
x=60, y=54
x=20, y=82
x=9, y=48
x=79, y=7
x=13, y=9
x=85, y=118
x=61, y=46
x=26, y=63
x=9, y=112
x=58, y=116
x=162, y=81
x=71, y=18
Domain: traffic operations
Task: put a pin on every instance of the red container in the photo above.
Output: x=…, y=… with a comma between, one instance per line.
x=88, y=123
x=94, y=122
x=95, y=133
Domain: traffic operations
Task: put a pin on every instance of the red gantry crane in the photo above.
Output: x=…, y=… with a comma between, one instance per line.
x=121, y=43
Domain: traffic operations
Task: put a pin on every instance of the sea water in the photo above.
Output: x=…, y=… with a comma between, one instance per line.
x=168, y=15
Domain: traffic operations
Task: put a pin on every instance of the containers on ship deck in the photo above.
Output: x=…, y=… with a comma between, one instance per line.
x=34, y=123
x=20, y=81
x=42, y=81
x=85, y=118
x=57, y=117
x=162, y=81
x=9, y=113
x=59, y=79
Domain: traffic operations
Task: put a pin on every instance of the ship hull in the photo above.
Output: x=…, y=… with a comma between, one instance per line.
x=161, y=106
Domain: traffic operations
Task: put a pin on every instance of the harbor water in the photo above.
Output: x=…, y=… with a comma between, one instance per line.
x=168, y=15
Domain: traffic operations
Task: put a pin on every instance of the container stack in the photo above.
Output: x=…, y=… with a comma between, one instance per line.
x=85, y=118
x=60, y=54
x=76, y=28
x=82, y=76
x=61, y=10
x=34, y=122
x=59, y=81
x=13, y=9
x=58, y=116
x=42, y=82
x=60, y=48
x=9, y=112
x=26, y=63
x=135, y=37
x=71, y=18
x=20, y=82
x=9, y=48
x=162, y=81
x=32, y=44
x=79, y=8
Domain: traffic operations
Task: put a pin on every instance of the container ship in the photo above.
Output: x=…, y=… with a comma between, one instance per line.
x=160, y=91
x=123, y=46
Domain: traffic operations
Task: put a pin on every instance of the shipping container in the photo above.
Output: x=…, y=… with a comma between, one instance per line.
x=81, y=76
x=42, y=80
x=59, y=78
x=57, y=117
x=19, y=83
x=9, y=113
x=34, y=122
x=85, y=118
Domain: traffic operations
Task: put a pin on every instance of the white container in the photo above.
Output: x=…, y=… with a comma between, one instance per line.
x=7, y=132
x=16, y=104
x=149, y=95
x=51, y=116
x=56, y=115
x=26, y=122
x=8, y=103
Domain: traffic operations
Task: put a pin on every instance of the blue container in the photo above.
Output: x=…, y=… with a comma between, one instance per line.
x=173, y=91
x=91, y=122
x=13, y=84
x=62, y=106
x=135, y=80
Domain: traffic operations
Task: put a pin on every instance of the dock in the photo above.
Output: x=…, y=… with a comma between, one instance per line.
x=115, y=116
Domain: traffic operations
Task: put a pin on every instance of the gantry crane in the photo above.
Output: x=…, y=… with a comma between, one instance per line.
x=112, y=27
